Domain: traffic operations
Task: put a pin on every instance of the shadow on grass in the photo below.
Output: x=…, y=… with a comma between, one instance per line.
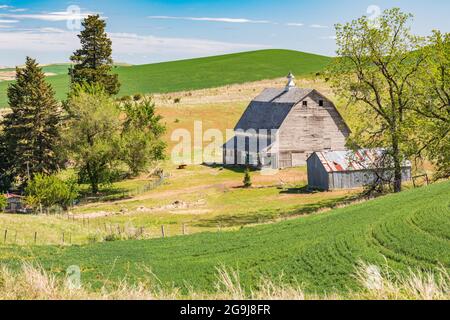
x=105, y=195
x=299, y=190
x=264, y=216
x=236, y=168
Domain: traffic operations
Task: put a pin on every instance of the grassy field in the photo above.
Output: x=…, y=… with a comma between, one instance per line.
x=200, y=73
x=319, y=252
x=210, y=198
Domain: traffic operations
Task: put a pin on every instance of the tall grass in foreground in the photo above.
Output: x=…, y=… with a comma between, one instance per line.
x=34, y=283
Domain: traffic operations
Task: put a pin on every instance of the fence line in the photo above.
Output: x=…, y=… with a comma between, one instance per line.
x=127, y=194
x=103, y=232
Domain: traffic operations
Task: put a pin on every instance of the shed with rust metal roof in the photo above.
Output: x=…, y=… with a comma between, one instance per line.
x=330, y=170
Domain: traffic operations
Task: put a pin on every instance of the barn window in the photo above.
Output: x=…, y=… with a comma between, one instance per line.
x=321, y=103
x=305, y=103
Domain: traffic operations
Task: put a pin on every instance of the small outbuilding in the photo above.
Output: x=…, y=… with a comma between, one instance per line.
x=330, y=170
x=14, y=203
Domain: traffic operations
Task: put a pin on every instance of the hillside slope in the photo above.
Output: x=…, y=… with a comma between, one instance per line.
x=407, y=230
x=202, y=72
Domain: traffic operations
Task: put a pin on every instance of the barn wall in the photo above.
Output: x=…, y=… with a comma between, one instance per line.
x=311, y=128
x=357, y=179
x=317, y=175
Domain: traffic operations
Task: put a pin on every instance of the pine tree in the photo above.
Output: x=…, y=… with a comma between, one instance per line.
x=93, y=62
x=30, y=137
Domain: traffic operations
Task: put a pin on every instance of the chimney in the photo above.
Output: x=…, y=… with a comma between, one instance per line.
x=291, y=83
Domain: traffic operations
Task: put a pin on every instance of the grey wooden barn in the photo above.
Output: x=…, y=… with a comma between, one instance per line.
x=282, y=127
x=332, y=170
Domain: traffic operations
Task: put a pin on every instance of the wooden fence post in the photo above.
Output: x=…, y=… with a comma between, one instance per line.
x=163, y=232
x=35, y=237
x=184, y=229
x=6, y=234
x=63, y=238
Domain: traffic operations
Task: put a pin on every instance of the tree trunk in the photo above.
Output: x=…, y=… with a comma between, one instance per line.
x=93, y=179
x=397, y=165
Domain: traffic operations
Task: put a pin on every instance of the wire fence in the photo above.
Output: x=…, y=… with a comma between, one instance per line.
x=91, y=231
x=128, y=193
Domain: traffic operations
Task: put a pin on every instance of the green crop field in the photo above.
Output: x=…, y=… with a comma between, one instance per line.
x=200, y=73
x=407, y=230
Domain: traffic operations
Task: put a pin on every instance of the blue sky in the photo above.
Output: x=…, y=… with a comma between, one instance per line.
x=153, y=31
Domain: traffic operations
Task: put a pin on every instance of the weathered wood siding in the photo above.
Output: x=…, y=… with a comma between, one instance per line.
x=357, y=179
x=311, y=128
x=317, y=175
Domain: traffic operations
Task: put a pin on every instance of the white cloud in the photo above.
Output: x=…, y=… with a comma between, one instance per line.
x=318, y=26
x=51, y=16
x=328, y=38
x=295, y=24
x=8, y=21
x=50, y=40
x=4, y=6
x=225, y=20
x=18, y=10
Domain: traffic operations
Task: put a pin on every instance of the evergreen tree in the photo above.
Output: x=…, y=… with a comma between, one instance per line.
x=30, y=137
x=93, y=62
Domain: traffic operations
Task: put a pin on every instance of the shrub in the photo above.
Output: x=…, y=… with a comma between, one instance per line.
x=247, y=178
x=177, y=100
x=3, y=202
x=138, y=97
x=50, y=191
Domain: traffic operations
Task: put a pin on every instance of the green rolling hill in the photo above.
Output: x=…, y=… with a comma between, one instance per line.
x=201, y=73
x=407, y=230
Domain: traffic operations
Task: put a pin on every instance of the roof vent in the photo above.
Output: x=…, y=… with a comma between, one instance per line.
x=291, y=83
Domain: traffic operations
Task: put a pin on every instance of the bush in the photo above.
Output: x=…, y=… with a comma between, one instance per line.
x=138, y=97
x=247, y=178
x=50, y=191
x=3, y=202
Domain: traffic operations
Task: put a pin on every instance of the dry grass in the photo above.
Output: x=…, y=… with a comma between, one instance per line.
x=34, y=283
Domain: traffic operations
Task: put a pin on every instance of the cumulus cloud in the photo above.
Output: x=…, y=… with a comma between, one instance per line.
x=225, y=20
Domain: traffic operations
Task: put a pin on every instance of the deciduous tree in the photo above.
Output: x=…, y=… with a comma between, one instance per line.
x=376, y=72
x=92, y=134
x=141, y=135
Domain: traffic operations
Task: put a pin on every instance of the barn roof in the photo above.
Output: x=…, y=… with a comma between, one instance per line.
x=269, y=109
x=341, y=161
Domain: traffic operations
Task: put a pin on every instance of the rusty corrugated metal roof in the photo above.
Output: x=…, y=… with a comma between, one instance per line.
x=341, y=161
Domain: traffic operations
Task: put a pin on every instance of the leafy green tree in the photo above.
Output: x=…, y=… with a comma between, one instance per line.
x=376, y=72
x=247, y=178
x=49, y=191
x=433, y=104
x=3, y=202
x=141, y=136
x=93, y=62
x=31, y=132
x=92, y=134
